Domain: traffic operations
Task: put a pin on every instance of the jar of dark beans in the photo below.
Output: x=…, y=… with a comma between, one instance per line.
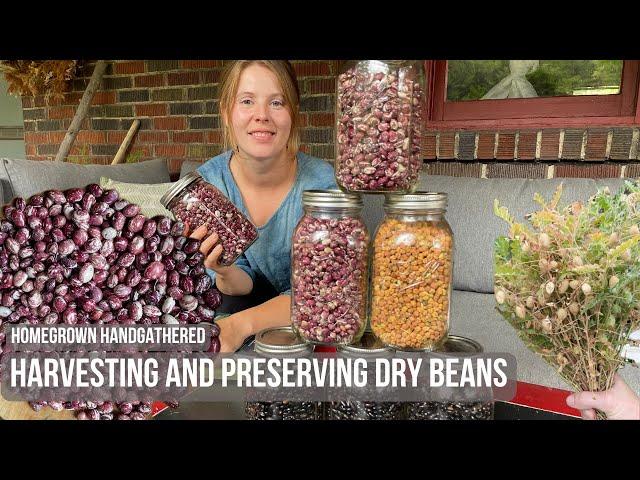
x=196, y=202
x=365, y=406
x=280, y=342
x=329, y=274
x=472, y=403
x=379, y=113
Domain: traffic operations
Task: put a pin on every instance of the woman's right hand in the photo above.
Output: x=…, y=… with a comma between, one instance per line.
x=234, y=330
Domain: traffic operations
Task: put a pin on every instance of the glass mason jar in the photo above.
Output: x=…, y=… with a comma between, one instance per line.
x=412, y=270
x=329, y=269
x=280, y=342
x=379, y=115
x=195, y=201
x=471, y=403
x=368, y=348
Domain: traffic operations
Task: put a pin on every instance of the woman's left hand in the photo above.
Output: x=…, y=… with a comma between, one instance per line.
x=210, y=248
x=233, y=332
x=618, y=403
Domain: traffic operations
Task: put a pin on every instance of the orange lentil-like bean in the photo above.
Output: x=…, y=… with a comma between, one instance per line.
x=411, y=283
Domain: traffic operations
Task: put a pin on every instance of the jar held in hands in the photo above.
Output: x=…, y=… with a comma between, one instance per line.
x=195, y=201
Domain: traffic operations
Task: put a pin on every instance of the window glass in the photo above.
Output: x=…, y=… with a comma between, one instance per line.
x=496, y=79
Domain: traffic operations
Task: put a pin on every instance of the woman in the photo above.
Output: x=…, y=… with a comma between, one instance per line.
x=264, y=175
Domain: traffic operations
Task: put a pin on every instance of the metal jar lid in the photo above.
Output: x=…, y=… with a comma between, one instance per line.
x=457, y=344
x=178, y=186
x=331, y=199
x=416, y=201
x=368, y=344
x=280, y=340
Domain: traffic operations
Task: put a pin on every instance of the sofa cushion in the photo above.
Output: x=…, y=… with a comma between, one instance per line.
x=475, y=227
x=147, y=196
x=189, y=166
x=26, y=177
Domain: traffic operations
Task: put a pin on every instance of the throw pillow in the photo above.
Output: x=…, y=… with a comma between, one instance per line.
x=146, y=195
x=26, y=177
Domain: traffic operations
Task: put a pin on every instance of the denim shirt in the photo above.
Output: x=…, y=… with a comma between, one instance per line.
x=270, y=254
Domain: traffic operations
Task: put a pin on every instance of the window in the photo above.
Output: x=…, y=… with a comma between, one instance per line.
x=512, y=93
x=11, y=124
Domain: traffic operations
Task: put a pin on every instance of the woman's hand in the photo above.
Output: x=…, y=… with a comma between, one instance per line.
x=618, y=403
x=211, y=256
x=230, y=280
x=233, y=332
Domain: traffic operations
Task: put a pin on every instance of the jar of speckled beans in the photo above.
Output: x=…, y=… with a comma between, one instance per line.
x=195, y=201
x=412, y=269
x=329, y=269
x=379, y=116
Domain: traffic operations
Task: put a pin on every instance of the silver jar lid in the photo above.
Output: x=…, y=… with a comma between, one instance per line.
x=280, y=340
x=416, y=201
x=368, y=344
x=331, y=199
x=457, y=344
x=178, y=186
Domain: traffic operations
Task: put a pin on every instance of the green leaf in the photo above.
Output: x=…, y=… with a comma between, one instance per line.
x=539, y=199
x=503, y=248
x=502, y=212
x=624, y=246
x=556, y=197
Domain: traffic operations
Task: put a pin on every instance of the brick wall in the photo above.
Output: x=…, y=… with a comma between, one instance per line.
x=176, y=103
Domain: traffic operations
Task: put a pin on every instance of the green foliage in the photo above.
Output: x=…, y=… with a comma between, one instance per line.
x=134, y=156
x=82, y=158
x=570, y=284
x=471, y=79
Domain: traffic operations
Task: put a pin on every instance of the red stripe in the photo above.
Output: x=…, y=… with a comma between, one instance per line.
x=158, y=407
x=544, y=398
x=324, y=348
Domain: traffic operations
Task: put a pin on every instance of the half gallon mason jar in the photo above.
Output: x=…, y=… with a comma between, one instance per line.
x=376, y=407
x=280, y=342
x=329, y=269
x=412, y=271
x=379, y=115
x=195, y=201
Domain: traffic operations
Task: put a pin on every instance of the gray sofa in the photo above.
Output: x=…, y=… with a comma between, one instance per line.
x=470, y=214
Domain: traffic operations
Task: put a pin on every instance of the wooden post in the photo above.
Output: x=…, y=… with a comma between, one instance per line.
x=82, y=110
x=125, y=143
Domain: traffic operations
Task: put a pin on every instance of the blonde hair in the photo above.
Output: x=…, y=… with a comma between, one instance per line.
x=286, y=76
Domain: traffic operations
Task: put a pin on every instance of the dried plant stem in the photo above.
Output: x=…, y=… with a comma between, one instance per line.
x=82, y=110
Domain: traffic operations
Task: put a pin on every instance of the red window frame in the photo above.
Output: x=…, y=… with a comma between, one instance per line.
x=583, y=110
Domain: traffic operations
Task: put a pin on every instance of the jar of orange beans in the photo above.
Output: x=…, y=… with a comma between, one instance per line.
x=411, y=272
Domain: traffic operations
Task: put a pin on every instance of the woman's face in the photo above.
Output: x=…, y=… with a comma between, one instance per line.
x=260, y=120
